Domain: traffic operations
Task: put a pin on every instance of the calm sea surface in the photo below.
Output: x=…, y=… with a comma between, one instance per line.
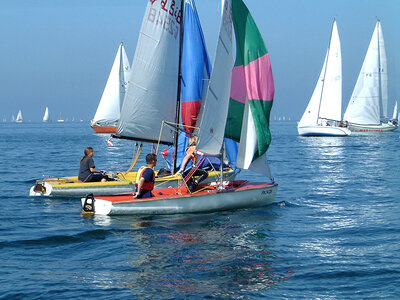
x=333, y=233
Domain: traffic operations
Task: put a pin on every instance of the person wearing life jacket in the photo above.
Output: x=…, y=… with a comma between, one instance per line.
x=193, y=154
x=145, y=178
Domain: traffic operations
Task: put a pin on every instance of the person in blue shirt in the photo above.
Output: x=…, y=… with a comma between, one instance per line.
x=145, y=177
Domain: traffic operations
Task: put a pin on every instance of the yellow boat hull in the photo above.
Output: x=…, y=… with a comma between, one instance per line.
x=124, y=183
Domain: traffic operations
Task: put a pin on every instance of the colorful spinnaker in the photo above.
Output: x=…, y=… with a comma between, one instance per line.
x=252, y=85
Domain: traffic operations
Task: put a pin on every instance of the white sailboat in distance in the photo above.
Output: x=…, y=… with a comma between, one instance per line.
x=19, y=117
x=368, y=103
x=323, y=115
x=46, y=116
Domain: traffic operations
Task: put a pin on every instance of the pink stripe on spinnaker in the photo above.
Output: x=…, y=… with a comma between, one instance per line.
x=258, y=84
x=238, y=84
x=259, y=79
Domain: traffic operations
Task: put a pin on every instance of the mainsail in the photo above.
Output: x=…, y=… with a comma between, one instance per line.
x=151, y=96
x=108, y=110
x=368, y=103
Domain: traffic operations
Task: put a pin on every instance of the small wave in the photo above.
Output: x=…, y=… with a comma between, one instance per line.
x=56, y=240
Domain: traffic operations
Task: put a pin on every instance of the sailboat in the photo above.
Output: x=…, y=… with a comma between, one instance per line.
x=19, y=117
x=46, y=116
x=192, y=85
x=237, y=106
x=323, y=114
x=395, y=118
x=368, y=103
x=108, y=111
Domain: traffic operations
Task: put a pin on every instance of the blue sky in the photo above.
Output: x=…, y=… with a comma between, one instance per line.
x=58, y=53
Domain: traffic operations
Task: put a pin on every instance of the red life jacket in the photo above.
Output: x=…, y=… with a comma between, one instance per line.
x=146, y=185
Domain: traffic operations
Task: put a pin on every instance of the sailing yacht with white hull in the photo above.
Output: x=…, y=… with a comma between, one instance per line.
x=323, y=114
x=369, y=101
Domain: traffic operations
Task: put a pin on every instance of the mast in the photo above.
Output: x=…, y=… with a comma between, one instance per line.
x=326, y=65
x=379, y=72
x=178, y=100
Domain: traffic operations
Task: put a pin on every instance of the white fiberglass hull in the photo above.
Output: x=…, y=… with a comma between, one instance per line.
x=383, y=127
x=323, y=131
x=245, y=196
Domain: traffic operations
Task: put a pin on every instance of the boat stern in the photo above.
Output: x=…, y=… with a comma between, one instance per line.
x=41, y=188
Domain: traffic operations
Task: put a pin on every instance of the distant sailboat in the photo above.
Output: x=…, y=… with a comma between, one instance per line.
x=109, y=109
x=46, y=116
x=368, y=103
x=60, y=119
x=323, y=114
x=395, y=118
x=19, y=117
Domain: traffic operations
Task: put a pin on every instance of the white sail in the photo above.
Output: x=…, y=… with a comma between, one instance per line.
x=19, y=117
x=395, y=112
x=371, y=87
x=108, y=110
x=326, y=100
x=46, y=116
x=215, y=110
x=153, y=84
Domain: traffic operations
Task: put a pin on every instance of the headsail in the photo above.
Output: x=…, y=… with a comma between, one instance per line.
x=108, y=110
x=252, y=85
x=196, y=66
x=152, y=89
x=371, y=87
x=211, y=135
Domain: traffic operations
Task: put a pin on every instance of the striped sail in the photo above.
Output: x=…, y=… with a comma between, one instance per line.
x=196, y=66
x=252, y=93
x=151, y=96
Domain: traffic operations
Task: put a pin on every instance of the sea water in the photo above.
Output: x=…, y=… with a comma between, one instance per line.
x=333, y=232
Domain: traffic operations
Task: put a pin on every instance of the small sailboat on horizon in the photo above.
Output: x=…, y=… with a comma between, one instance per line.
x=19, y=117
x=108, y=111
x=368, y=103
x=46, y=116
x=323, y=115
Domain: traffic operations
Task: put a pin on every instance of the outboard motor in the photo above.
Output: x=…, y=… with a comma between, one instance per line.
x=88, y=205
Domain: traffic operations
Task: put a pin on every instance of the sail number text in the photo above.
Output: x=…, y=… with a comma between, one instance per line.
x=168, y=15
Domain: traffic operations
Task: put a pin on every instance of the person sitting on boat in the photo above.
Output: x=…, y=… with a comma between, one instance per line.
x=145, y=177
x=88, y=171
x=193, y=154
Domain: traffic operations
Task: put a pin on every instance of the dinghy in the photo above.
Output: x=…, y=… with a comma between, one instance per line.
x=108, y=111
x=241, y=113
x=323, y=115
x=369, y=101
x=160, y=108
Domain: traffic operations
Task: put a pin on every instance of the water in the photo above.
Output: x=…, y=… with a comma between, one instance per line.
x=333, y=233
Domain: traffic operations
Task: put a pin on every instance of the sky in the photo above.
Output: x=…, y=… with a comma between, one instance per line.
x=59, y=53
